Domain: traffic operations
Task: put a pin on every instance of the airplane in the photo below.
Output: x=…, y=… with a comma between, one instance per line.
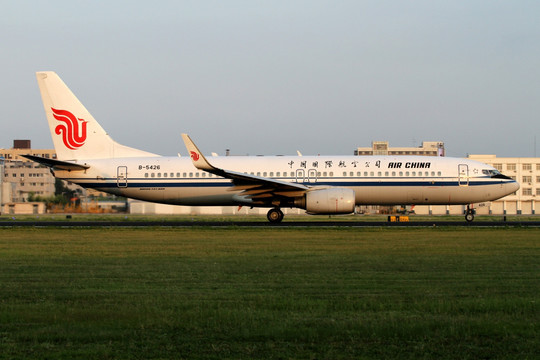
x=89, y=157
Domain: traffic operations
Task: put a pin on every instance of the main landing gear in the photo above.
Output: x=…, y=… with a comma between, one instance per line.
x=275, y=215
x=469, y=214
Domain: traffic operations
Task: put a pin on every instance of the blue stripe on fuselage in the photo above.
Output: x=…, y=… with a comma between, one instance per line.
x=173, y=183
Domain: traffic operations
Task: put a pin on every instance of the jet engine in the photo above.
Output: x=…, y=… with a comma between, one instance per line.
x=327, y=201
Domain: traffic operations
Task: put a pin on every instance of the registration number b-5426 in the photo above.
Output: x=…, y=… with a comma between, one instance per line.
x=149, y=167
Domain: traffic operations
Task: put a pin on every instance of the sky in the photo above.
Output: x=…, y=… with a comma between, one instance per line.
x=274, y=77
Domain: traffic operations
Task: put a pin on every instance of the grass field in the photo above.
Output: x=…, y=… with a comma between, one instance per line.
x=454, y=293
x=252, y=218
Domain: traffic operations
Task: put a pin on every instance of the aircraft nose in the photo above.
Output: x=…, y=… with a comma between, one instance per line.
x=512, y=187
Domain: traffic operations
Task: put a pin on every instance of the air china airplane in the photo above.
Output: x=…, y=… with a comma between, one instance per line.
x=88, y=156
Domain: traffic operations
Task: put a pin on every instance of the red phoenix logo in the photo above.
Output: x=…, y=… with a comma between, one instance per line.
x=73, y=130
x=194, y=155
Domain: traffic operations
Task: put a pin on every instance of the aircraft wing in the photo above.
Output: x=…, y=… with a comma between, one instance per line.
x=259, y=189
x=56, y=164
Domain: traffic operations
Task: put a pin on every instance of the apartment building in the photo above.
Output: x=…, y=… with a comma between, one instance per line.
x=428, y=148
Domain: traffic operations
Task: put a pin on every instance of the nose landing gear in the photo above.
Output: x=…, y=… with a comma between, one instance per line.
x=469, y=214
x=275, y=215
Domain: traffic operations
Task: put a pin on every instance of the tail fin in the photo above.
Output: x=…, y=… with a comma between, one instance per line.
x=76, y=134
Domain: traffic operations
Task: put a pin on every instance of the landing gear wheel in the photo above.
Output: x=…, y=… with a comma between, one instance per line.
x=275, y=215
x=469, y=215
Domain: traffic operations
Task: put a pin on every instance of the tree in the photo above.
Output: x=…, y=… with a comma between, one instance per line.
x=63, y=194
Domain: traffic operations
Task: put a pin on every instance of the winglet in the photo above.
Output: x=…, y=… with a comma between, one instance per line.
x=199, y=161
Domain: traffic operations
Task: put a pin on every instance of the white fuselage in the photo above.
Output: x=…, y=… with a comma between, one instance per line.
x=376, y=180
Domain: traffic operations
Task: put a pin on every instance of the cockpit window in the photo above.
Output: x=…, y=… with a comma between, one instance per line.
x=494, y=173
x=490, y=172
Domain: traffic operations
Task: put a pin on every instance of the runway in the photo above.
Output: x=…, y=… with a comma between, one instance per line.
x=263, y=224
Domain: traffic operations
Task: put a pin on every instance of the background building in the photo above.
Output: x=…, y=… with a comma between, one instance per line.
x=428, y=148
x=22, y=176
x=23, y=147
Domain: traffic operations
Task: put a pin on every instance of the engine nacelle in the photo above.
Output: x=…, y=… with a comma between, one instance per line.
x=328, y=201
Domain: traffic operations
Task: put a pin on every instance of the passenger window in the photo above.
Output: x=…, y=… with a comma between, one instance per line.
x=145, y=175
x=344, y=173
x=351, y=174
x=401, y=173
x=325, y=174
x=386, y=173
x=164, y=174
x=358, y=174
x=331, y=173
x=153, y=175
x=158, y=174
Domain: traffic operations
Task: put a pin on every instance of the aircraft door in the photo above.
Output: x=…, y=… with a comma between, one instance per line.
x=463, y=173
x=121, y=176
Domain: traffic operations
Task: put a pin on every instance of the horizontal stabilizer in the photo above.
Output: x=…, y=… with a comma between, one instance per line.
x=56, y=164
